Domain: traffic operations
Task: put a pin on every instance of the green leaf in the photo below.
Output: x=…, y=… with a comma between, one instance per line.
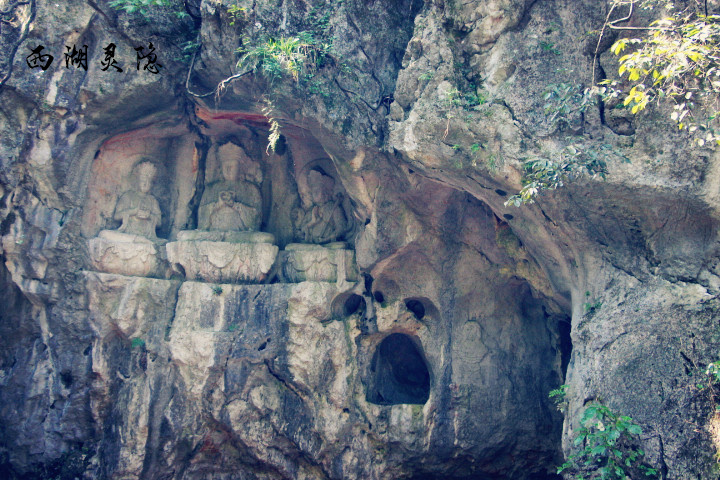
x=598, y=450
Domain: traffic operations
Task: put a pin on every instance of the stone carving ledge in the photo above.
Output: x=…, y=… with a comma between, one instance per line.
x=125, y=254
x=332, y=262
x=224, y=257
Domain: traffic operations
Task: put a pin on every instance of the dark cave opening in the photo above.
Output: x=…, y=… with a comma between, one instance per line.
x=398, y=373
x=353, y=304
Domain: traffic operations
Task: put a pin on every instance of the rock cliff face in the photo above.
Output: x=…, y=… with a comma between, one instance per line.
x=180, y=302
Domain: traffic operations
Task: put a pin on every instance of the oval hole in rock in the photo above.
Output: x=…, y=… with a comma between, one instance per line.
x=507, y=216
x=416, y=307
x=398, y=373
x=353, y=303
x=379, y=297
x=500, y=192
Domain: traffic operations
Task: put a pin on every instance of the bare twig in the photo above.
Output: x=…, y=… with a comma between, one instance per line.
x=220, y=86
x=597, y=46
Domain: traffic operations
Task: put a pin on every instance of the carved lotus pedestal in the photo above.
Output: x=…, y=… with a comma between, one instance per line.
x=224, y=257
x=125, y=254
x=315, y=263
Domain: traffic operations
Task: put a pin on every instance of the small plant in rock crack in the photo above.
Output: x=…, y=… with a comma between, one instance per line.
x=549, y=47
x=591, y=307
x=711, y=383
x=609, y=448
x=558, y=396
x=217, y=290
x=143, y=7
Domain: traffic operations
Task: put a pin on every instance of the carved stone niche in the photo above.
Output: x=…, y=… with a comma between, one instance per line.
x=226, y=247
x=134, y=248
x=321, y=224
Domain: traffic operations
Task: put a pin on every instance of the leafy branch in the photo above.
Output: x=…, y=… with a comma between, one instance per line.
x=678, y=60
x=609, y=448
x=555, y=170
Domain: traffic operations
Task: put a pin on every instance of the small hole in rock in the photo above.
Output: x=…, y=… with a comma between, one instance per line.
x=501, y=192
x=354, y=303
x=416, y=307
x=367, y=281
x=379, y=297
x=66, y=378
x=507, y=216
x=262, y=347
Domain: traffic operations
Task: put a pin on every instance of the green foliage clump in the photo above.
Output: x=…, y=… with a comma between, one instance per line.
x=139, y=6
x=678, y=61
x=142, y=6
x=238, y=15
x=713, y=372
x=566, y=100
x=559, y=396
x=298, y=56
x=553, y=171
x=217, y=290
x=274, y=57
x=549, y=47
x=137, y=342
x=468, y=100
x=609, y=450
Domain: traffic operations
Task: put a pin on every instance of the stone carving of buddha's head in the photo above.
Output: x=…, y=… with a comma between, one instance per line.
x=230, y=169
x=145, y=173
x=320, y=186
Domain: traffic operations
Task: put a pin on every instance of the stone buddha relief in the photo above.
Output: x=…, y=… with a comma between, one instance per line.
x=227, y=246
x=138, y=210
x=321, y=225
x=323, y=219
x=131, y=249
x=232, y=203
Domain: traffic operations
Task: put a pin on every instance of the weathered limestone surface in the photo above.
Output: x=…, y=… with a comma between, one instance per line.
x=608, y=286
x=314, y=263
x=213, y=382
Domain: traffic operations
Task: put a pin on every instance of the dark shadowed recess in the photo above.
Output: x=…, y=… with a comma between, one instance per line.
x=398, y=373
